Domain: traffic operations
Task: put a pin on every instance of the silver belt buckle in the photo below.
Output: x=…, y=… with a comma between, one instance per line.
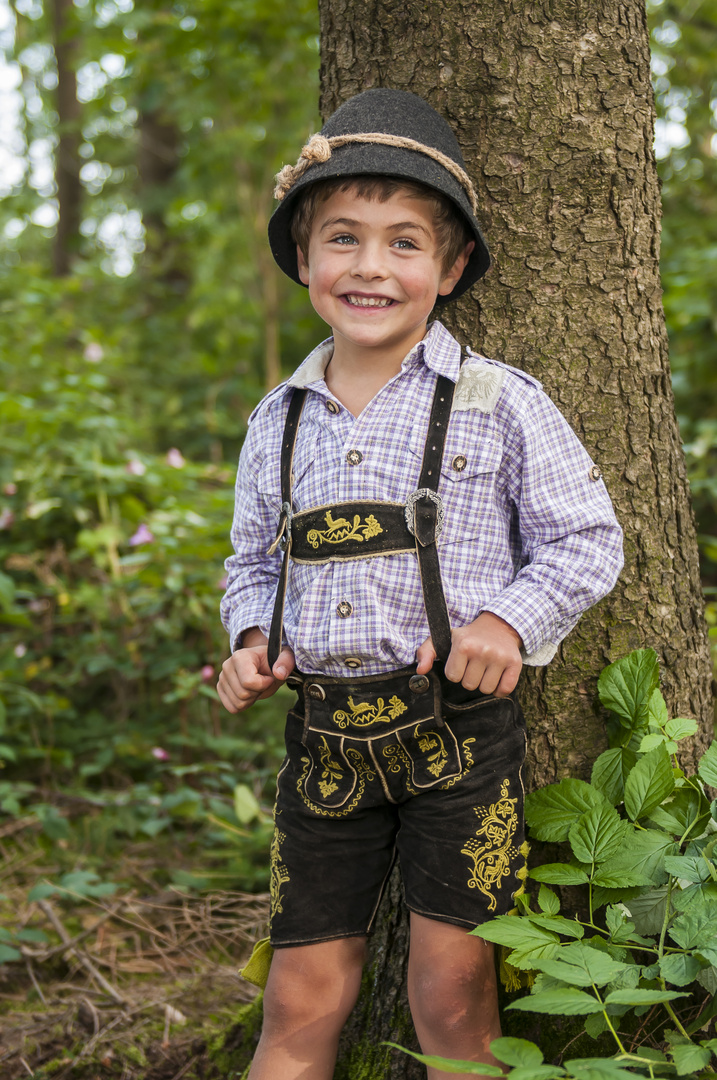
x=410, y=509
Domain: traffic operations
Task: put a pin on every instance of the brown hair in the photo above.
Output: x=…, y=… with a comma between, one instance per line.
x=452, y=230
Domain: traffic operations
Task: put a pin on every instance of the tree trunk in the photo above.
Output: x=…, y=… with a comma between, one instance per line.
x=553, y=108
x=67, y=159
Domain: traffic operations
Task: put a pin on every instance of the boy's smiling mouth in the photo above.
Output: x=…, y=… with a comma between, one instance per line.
x=357, y=300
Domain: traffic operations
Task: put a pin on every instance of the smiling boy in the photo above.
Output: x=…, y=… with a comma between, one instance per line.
x=440, y=525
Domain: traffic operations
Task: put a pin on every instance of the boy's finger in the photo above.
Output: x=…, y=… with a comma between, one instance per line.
x=284, y=665
x=425, y=655
x=509, y=680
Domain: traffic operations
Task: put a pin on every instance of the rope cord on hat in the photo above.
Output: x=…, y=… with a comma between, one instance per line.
x=318, y=149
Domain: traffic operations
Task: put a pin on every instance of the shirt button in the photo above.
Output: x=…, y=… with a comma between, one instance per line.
x=352, y=662
x=332, y=406
x=354, y=457
x=344, y=609
x=459, y=462
x=595, y=473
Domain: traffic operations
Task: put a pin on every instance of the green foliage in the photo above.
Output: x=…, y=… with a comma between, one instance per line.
x=642, y=842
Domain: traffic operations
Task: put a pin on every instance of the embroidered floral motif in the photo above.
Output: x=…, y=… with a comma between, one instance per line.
x=395, y=755
x=364, y=772
x=341, y=530
x=331, y=773
x=491, y=849
x=429, y=740
x=279, y=873
x=468, y=765
x=478, y=387
x=363, y=714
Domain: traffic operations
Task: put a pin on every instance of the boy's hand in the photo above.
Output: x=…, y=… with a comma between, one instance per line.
x=485, y=656
x=246, y=675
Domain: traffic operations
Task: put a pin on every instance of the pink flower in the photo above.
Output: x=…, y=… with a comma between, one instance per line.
x=10, y=489
x=20, y=650
x=142, y=536
x=135, y=467
x=207, y=673
x=7, y=519
x=175, y=459
x=159, y=753
x=223, y=583
x=94, y=352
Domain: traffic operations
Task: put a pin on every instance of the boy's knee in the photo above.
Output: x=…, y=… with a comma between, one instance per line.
x=447, y=998
x=313, y=984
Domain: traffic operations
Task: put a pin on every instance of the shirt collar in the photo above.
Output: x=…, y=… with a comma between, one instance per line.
x=438, y=350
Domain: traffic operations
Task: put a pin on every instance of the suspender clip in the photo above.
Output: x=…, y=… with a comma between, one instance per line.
x=424, y=515
x=283, y=530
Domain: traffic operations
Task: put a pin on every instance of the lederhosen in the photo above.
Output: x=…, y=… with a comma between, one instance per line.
x=360, y=750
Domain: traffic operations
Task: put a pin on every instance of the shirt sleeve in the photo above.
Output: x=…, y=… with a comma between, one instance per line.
x=571, y=540
x=252, y=574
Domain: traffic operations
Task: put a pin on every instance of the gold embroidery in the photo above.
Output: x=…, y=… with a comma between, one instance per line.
x=340, y=530
x=332, y=771
x=364, y=771
x=429, y=740
x=491, y=848
x=279, y=873
x=395, y=754
x=363, y=714
x=468, y=765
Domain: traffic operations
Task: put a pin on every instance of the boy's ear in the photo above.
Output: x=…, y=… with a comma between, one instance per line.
x=451, y=278
x=303, y=265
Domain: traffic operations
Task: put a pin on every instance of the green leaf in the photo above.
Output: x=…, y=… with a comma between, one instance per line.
x=644, y=853
x=696, y=929
x=595, y=1024
x=657, y=713
x=690, y=1058
x=560, y=925
x=626, y=879
x=621, y=929
x=516, y=1051
x=7, y=954
x=649, y=783
x=707, y=767
x=559, y=874
x=42, y=891
x=625, y=687
x=649, y=742
x=611, y=770
x=581, y=965
x=680, y=969
x=567, y=1002
x=689, y=867
x=472, y=1068
x=246, y=805
x=597, y=1068
x=642, y=997
x=519, y=934
x=548, y=901
x=598, y=834
x=684, y=814
x=648, y=911
x=552, y=810
x=681, y=728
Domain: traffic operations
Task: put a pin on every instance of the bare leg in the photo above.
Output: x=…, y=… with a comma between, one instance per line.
x=309, y=995
x=453, y=993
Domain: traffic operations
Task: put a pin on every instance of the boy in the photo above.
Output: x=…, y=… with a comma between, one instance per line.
x=441, y=524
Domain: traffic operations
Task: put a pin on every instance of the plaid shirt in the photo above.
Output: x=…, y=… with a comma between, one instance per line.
x=529, y=532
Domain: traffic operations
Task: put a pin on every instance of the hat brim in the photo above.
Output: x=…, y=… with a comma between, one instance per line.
x=388, y=161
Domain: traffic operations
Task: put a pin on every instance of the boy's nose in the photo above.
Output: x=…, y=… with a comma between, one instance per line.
x=369, y=262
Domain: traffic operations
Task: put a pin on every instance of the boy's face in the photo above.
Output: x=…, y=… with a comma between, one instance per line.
x=373, y=271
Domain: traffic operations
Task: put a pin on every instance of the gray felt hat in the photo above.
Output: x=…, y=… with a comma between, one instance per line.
x=381, y=133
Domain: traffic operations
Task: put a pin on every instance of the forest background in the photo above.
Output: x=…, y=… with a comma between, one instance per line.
x=141, y=320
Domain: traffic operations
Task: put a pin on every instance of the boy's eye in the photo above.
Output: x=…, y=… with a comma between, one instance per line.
x=404, y=243
x=343, y=238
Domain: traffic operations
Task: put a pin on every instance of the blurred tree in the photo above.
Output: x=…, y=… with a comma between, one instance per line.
x=67, y=160
x=555, y=114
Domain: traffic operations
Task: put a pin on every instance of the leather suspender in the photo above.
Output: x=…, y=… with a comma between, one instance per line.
x=283, y=533
x=424, y=515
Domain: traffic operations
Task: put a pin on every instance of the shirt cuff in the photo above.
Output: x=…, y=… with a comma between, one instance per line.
x=243, y=618
x=533, y=615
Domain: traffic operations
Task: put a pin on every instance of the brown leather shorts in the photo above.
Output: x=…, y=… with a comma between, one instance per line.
x=388, y=765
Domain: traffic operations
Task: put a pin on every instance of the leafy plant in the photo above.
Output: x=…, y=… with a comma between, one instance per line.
x=642, y=839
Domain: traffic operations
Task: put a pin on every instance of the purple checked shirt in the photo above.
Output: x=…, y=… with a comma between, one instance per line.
x=529, y=532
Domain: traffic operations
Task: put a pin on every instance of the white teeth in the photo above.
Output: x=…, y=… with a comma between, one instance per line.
x=368, y=301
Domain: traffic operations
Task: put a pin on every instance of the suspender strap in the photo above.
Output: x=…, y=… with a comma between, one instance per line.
x=428, y=518
x=283, y=532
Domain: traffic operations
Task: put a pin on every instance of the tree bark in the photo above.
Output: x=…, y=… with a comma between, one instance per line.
x=67, y=158
x=553, y=107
